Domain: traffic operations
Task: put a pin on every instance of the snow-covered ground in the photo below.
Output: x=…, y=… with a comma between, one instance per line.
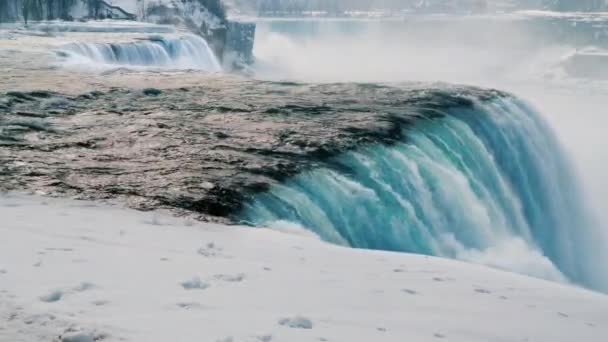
x=79, y=271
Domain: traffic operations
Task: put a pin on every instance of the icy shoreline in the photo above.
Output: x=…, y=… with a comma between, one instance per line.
x=72, y=270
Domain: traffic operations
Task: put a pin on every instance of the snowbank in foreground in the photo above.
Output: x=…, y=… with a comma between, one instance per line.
x=76, y=271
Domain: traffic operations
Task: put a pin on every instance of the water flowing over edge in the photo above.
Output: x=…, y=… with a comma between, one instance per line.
x=487, y=184
x=185, y=52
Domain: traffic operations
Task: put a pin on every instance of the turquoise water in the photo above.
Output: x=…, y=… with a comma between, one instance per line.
x=488, y=184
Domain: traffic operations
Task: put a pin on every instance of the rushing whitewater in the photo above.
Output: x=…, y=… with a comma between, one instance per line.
x=487, y=184
x=186, y=52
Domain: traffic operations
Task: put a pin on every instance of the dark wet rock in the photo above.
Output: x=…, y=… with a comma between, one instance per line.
x=201, y=150
x=152, y=91
x=41, y=94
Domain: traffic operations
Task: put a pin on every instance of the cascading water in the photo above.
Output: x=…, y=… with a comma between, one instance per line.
x=186, y=52
x=486, y=184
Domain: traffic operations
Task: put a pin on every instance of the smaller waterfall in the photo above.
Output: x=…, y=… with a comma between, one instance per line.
x=186, y=52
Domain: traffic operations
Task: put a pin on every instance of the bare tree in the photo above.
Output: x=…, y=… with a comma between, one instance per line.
x=26, y=10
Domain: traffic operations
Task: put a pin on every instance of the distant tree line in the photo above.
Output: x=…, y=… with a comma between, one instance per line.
x=338, y=7
x=577, y=5
x=300, y=7
x=46, y=9
x=28, y=10
x=54, y=9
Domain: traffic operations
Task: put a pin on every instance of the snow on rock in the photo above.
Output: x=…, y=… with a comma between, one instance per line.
x=114, y=276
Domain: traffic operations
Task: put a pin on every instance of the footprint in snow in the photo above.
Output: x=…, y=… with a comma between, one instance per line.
x=57, y=295
x=297, y=322
x=80, y=337
x=231, y=278
x=100, y=302
x=59, y=249
x=227, y=339
x=210, y=250
x=41, y=319
x=482, y=291
x=84, y=286
x=190, y=305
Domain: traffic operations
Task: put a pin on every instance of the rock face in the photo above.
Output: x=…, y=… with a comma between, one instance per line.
x=202, y=150
x=234, y=43
x=239, y=42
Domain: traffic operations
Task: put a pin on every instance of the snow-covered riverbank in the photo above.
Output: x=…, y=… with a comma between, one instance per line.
x=78, y=271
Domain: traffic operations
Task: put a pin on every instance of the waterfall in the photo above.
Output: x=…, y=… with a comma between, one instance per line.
x=487, y=184
x=186, y=52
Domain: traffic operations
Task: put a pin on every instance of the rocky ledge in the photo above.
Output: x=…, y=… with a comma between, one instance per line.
x=200, y=150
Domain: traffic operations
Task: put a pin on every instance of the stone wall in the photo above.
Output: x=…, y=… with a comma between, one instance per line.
x=239, y=42
x=233, y=43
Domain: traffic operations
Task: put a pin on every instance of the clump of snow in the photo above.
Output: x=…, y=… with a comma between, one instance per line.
x=194, y=284
x=78, y=337
x=53, y=296
x=298, y=322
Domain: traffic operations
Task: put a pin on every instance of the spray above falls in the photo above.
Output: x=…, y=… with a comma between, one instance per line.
x=179, y=52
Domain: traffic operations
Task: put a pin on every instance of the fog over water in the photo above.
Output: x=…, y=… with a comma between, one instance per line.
x=521, y=54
